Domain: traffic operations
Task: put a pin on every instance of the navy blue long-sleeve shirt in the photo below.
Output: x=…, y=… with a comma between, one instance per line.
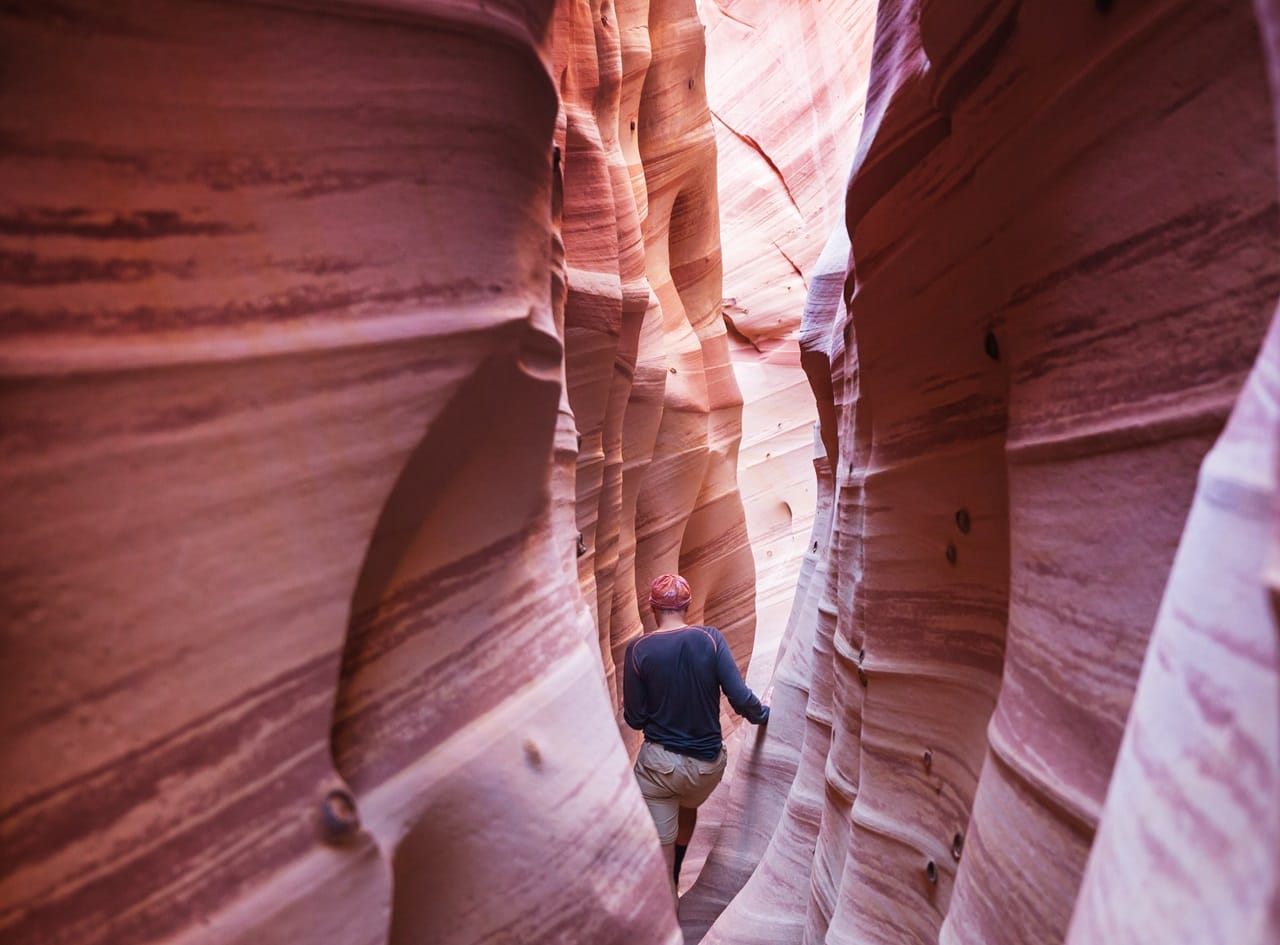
x=671, y=683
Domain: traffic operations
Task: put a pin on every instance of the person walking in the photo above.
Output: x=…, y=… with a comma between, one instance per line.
x=672, y=678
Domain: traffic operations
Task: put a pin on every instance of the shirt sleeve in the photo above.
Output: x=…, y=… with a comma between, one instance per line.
x=634, y=708
x=742, y=699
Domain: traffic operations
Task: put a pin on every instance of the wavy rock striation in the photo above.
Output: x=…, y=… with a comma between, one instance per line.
x=650, y=389
x=1058, y=279
x=786, y=84
x=786, y=96
x=362, y=361
x=350, y=372
x=1213, y=665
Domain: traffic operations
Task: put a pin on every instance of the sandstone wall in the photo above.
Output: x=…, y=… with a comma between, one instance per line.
x=360, y=360
x=650, y=388
x=1213, y=665
x=786, y=84
x=1063, y=230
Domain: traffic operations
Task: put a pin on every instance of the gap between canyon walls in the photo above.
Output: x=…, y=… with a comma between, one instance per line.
x=646, y=449
x=643, y=442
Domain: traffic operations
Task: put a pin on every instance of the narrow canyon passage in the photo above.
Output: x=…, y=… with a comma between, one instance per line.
x=363, y=361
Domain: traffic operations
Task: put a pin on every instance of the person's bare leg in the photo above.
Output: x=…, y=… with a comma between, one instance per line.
x=684, y=826
x=669, y=856
x=684, y=833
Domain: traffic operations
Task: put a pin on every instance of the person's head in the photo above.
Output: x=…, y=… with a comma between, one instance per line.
x=669, y=596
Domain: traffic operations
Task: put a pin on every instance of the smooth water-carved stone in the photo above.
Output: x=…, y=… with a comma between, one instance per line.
x=1048, y=325
x=284, y=450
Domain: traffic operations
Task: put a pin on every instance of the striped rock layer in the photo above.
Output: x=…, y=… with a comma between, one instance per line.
x=363, y=359
x=652, y=413
x=786, y=84
x=360, y=360
x=1060, y=262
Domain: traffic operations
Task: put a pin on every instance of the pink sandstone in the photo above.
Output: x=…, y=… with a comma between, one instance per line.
x=292, y=471
x=363, y=360
x=1052, y=307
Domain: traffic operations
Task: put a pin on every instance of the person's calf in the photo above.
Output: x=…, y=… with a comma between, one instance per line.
x=687, y=820
x=669, y=855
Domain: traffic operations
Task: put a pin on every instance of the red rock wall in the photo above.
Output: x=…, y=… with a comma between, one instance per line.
x=362, y=361
x=785, y=83
x=1063, y=229
x=772, y=70
x=1188, y=848
x=650, y=387
x=303, y=323
x=689, y=513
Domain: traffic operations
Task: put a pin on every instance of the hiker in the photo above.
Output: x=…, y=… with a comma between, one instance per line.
x=671, y=683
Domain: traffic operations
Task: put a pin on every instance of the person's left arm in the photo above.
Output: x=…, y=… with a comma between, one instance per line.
x=740, y=696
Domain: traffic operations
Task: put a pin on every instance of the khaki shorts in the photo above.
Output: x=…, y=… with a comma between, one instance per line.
x=669, y=780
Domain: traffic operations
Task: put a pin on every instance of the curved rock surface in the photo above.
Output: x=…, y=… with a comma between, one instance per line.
x=1213, y=666
x=362, y=361
x=332, y=370
x=785, y=84
x=1058, y=280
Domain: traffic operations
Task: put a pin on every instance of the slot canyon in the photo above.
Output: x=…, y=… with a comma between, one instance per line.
x=362, y=361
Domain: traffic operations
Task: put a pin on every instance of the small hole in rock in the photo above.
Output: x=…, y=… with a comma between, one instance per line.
x=533, y=753
x=991, y=346
x=341, y=819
